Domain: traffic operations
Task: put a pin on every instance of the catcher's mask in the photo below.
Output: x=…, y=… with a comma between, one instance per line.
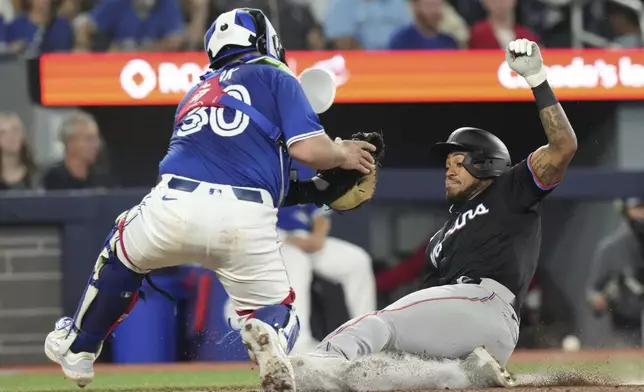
x=485, y=154
x=240, y=31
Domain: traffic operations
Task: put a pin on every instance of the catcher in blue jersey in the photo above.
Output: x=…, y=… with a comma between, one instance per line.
x=226, y=172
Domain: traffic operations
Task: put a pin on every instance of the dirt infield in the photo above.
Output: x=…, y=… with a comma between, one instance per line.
x=553, y=356
x=522, y=389
x=605, y=388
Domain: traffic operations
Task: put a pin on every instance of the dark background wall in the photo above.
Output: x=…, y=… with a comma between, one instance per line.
x=137, y=136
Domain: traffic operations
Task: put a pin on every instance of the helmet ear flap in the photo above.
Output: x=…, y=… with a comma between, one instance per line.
x=261, y=43
x=481, y=166
x=468, y=163
x=281, y=52
x=260, y=23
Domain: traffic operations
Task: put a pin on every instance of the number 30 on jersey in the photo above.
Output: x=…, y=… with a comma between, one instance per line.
x=214, y=117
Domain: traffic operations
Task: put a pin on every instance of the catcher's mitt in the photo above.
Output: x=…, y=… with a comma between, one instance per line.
x=349, y=189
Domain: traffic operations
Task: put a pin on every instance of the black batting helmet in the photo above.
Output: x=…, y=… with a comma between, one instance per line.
x=485, y=154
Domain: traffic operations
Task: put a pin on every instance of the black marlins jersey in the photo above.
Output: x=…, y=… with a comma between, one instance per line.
x=496, y=235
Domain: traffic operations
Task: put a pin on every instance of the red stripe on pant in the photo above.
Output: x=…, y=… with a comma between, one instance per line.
x=201, y=306
x=482, y=300
x=135, y=296
x=120, y=240
x=290, y=298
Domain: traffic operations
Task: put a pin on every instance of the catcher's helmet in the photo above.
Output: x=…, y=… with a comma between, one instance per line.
x=485, y=154
x=240, y=31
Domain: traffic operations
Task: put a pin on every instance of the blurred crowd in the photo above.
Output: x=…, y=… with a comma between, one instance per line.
x=82, y=166
x=40, y=26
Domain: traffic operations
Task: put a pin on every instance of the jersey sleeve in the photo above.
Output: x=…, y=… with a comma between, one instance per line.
x=303, y=172
x=294, y=220
x=298, y=119
x=525, y=189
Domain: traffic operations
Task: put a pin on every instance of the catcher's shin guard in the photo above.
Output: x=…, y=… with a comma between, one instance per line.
x=111, y=293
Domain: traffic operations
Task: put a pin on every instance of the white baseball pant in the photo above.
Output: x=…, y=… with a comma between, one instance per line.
x=338, y=261
x=215, y=227
x=445, y=322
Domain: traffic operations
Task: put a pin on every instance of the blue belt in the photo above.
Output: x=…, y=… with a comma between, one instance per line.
x=181, y=184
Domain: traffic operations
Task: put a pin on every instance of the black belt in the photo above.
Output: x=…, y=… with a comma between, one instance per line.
x=181, y=184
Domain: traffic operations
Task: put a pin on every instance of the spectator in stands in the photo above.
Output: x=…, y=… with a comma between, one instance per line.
x=69, y=9
x=364, y=24
x=625, y=25
x=132, y=25
x=425, y=32
x=454, y=25
x=3, y=35
x=308, y=248
x=616, y=278
x=80, y=136
x=197, y=15
x=499, y=28
x=318, y=8
x=17, y=165
x=7, y=11
x=40, y=30
x=294, y=21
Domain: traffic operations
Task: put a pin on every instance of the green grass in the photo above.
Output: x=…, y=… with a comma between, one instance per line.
x=131, y=380
x=175, y=381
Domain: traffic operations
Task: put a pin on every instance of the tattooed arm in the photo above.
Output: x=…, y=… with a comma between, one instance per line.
x=549, y=162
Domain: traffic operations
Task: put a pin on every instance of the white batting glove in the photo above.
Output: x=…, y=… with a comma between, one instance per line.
x=524, y=57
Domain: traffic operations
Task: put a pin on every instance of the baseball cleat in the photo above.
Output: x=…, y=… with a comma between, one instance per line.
x=275, y=370
x=319, y=372
x=485, y=371
x=311, y=360
x=77, y=367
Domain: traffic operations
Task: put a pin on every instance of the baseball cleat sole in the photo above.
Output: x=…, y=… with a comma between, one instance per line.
x=486, y=369
x=275, y=370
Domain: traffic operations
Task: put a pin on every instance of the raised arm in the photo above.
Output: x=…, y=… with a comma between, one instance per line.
x=549, y=162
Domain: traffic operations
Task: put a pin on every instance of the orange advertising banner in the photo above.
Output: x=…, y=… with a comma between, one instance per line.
x=361, y=76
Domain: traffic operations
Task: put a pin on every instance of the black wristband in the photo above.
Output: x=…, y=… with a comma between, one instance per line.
x=304, y=192
x=544, y=95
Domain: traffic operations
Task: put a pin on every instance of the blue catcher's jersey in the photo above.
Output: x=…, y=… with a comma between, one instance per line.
x=297, y=219
x=235, y=125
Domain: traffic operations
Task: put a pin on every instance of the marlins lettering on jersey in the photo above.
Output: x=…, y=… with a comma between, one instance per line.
x=459, y=223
